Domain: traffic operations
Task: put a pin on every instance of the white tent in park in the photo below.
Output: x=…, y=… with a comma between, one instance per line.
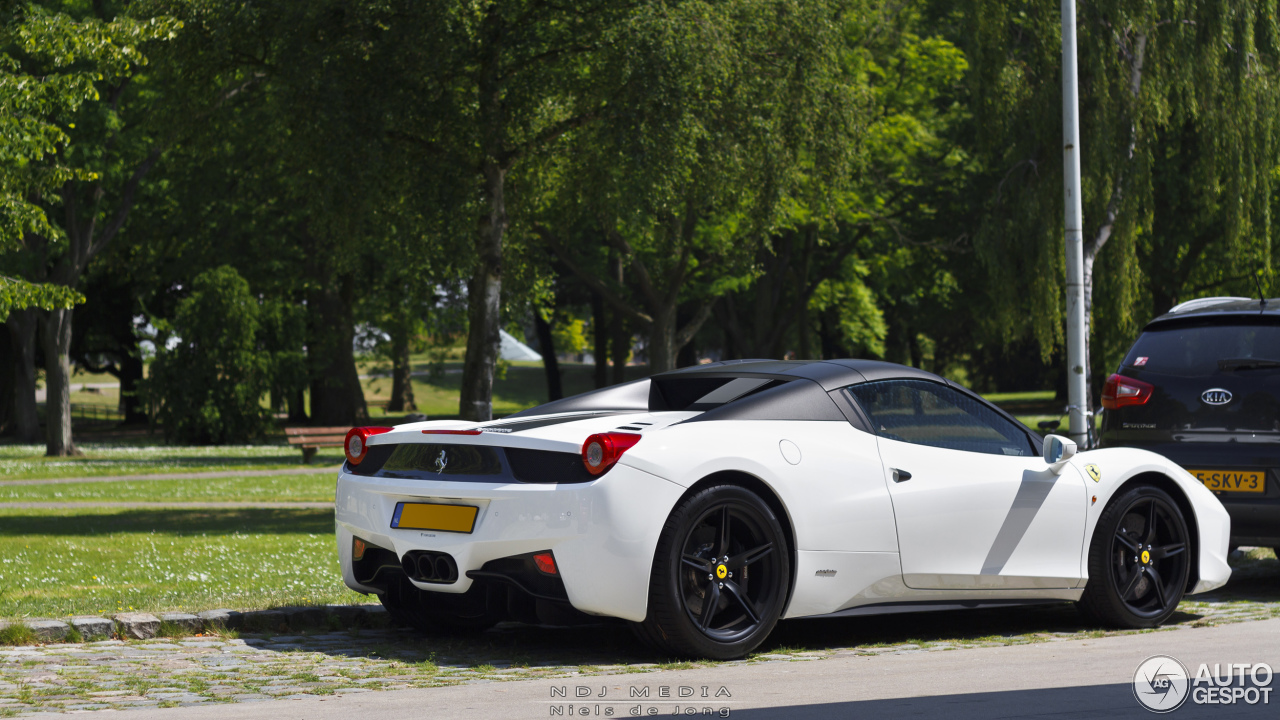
x=513, y=349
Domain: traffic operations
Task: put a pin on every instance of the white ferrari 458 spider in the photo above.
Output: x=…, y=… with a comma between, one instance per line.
x=705, y=504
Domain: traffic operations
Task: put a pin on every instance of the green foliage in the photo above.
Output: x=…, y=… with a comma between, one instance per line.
x=209, y=385
x=16, y=294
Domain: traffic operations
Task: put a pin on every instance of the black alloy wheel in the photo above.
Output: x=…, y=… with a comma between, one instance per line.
x=720, y=576
x=1139, y=560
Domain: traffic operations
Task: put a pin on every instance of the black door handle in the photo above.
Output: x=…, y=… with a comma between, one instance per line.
x=900, y=475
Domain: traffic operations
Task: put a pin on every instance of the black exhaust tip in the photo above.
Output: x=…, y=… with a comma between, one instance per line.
x=430, y=567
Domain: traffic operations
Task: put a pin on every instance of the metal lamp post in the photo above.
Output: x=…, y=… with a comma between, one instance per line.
x=1077, y=339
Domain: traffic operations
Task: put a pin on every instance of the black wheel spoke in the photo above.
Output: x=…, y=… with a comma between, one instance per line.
x=1169, y=550
x=696, y=562
x=1151, y=523
x=1159, y=585
x=724, y=531
x=750, y=556
x=743, y=600
x=1124, y=540
x=710, y=603
x=1133, y=582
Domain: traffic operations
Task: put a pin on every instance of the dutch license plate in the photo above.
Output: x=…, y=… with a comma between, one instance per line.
x=1250, y=481
x=432, y=516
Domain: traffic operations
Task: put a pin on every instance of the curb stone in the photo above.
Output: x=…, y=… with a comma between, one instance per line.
x=144, y=626
x=266, y=620
x=139, y=626
x=228, y=619
x=90, y=626
x=186, y=621
x=48, y=630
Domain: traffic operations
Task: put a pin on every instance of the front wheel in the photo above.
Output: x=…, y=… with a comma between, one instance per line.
x=720, y=576
x=1139, y=560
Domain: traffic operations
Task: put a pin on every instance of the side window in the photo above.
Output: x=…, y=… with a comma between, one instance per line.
x=927, y=413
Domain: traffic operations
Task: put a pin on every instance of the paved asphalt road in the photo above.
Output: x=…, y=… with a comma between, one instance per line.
x=1076, y=679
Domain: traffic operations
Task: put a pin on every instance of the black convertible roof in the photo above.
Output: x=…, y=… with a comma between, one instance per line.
x=741, y=389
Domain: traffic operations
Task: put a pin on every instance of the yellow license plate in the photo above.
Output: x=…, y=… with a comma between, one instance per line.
x=1250, y=481
x=429, y=516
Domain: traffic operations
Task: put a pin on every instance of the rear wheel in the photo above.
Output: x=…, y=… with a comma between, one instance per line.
x=1139, y=560
x=440, y=613
x=719, y=578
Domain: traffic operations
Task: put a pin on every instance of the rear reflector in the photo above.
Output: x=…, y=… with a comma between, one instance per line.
x=356, y=445
x=450, y=432
x=358, y=547
x=1121, y=391
x=546, y=563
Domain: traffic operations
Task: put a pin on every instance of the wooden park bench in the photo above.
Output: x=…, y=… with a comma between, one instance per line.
x=311, y=439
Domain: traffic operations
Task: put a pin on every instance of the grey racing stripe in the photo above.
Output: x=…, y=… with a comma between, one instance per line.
x=1031, y=495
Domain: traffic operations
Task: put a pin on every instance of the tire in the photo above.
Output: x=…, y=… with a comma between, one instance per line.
x=439, y=613
x=719, y=610
x=1139, y=560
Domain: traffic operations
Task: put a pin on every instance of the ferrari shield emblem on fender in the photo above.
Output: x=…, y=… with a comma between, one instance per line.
x=1094, y=472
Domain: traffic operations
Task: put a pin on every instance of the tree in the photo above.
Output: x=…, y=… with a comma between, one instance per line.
x=211, y=369
x=726, y=108
x=1179, y=118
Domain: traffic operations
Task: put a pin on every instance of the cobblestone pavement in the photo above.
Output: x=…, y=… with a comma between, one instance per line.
x=255, y=667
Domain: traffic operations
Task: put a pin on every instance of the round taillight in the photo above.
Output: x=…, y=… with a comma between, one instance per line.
x=601, y=452
x=356, y=444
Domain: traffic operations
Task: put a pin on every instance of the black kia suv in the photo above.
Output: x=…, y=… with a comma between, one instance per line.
x=1201, y=386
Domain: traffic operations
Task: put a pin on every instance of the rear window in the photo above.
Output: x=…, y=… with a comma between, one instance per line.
x=1198, y=349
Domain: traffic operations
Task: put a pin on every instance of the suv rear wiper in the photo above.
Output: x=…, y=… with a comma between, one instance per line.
x=1247, y=364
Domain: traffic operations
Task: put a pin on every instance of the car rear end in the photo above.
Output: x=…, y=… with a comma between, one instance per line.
x=512, y=506
x=1202, y=388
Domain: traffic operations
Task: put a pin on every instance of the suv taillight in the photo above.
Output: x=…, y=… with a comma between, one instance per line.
x=1120, y=391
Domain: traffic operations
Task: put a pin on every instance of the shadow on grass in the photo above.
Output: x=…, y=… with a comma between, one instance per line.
x=175, y=521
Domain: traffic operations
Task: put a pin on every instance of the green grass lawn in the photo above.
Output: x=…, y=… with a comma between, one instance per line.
x=148, y=457
x=281, y=488
x=54, y=564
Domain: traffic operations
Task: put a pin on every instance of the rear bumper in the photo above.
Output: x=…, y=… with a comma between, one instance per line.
x=603, y=534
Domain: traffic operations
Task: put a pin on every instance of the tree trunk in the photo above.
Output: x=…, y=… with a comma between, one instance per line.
x=57, y=369
x=22, y=328
x=336, y=395
x=131, y=406
x=620, y=347
x=401, y=375
x=298, y=406
x=686, y=355
x=550, y=364
x=600, y=333
x=662, y=341
x=484, y=304
x=9, y=372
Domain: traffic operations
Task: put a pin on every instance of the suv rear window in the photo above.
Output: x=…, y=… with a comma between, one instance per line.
x=1197, y=349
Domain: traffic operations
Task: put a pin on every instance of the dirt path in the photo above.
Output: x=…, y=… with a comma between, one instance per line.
x=174, y=476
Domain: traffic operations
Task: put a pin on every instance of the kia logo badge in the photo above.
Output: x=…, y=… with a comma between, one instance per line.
x=1216, y=396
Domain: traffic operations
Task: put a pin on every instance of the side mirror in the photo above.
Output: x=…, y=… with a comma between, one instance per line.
x=1058, y=449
